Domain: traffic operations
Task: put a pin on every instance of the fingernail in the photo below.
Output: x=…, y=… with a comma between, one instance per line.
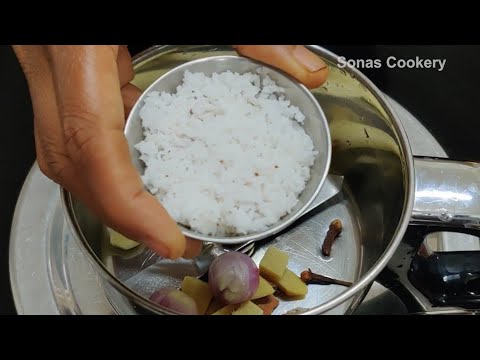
x=308, y=59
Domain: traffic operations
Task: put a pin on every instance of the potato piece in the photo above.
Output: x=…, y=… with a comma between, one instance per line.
x=291, y=285
x=226, y=310
x=248, y=308
x=267, y=304
x=199, y=291
x=273, y=264
x=119, y=241
x=264, y=289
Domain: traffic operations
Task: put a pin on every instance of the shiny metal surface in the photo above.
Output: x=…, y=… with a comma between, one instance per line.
x=369, y=148
x=381, y=301
x=37, y=291
x=302, y=245
x=315, y=126
x=447, y=194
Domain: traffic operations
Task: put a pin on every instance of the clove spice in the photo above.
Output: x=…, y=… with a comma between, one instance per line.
x=334, y=231
x=308, y=277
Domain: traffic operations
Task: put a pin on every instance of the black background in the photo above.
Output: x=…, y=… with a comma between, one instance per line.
x=445, y=102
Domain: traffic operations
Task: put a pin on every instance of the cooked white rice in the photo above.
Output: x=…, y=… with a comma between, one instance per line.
x=226, y=154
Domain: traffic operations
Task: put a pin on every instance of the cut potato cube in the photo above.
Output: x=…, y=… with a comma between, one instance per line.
x=291, y=285
x=248, y=308
x=119, y=241
x=273, y=264
x=199, y=291
x=226, y=310
x=264, y=289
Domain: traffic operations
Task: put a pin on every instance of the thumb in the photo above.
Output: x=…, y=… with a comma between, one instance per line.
x=296, y=60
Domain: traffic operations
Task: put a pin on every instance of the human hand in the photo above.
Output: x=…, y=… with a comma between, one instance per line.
x=81, y=96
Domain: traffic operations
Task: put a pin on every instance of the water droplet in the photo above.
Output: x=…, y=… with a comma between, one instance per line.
x=352, y=75
x=343, y=72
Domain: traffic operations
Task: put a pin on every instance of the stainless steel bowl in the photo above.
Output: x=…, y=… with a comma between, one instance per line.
x=315, y=126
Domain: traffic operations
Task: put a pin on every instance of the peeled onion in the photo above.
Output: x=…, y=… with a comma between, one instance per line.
x=233, y=278
x=175, y=300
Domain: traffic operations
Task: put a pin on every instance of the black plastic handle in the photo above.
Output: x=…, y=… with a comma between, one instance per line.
x=448, y=278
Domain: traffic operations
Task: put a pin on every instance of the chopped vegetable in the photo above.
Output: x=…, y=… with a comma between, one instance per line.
x=248, y=308
x=267, y=304
x=264, y=289
x=199, y=291
x=119, y=241
x=233, y=278
x=291, y=285
x=175, y=300
x=226, y=310
x=273, y=264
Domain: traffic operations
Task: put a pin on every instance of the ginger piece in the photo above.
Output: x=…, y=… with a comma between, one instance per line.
x=199, y=291
x=292, y=286
x=226, y=310
x=273, y=264
x=248, y=308
x=264, y=289
x=121, y=242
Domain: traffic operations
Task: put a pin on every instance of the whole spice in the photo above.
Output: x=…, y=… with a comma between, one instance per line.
x=308, y=277
x=334, y=231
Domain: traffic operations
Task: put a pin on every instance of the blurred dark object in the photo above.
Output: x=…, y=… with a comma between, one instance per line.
x=448, y=279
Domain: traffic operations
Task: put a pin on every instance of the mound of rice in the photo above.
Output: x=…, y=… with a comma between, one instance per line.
x=225, y=155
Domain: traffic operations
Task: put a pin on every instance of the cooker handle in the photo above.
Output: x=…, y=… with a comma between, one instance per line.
x=447, y=194
x=447, y=199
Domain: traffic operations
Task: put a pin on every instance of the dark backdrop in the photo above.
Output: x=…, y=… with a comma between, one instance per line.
x=445, y=102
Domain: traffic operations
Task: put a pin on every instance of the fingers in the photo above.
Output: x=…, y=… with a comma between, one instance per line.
x=296, y=60
x=193, y=248
x=124, y=65
x=91, y=109
x=49, y=144
x=130, y=95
